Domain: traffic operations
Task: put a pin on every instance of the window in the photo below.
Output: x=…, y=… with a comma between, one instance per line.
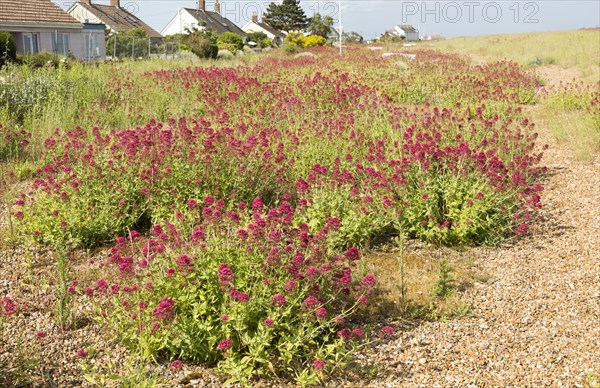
x=31, y=43
x=60, y=43
x=92, y=46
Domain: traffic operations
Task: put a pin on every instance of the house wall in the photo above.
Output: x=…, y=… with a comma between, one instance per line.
x=77, y=40
x=93, y=55
x=253, y=27
x=412, y=36
x=179, y=23
x=83, y=15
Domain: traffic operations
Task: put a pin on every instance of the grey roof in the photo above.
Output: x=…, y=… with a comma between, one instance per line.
x=118, y=18
x=272, y=30
x=407, y=28
x=215, y=21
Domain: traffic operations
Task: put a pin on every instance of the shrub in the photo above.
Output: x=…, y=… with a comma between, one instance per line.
x=313, y=41
x=294, y=39
x=8, y=48
x=42, y=59
x=228, y=47
x=266, y=43
x=202, y=47
x=245, y=290
x=225, y=54
x=259, y=38
x=230, y=41
x=27, y=94
x=13, y=143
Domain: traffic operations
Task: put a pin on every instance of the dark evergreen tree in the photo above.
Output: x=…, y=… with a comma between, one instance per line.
x=287, y=16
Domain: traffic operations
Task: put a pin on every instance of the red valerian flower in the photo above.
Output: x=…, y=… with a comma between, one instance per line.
x=352, y=254
x=321, y=313
x=236, y=295
x=311, y=302
x=386, y=331
x=278, y=299
x=268, y=322
x=226, y=275
x=176, y=365
x=345, y=333
x=225, y=344
x=368, y=281
x=318, y=364
x=164, y=310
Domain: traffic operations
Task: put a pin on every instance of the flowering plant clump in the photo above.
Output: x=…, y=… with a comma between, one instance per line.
x=258, y=296
x=371, y=161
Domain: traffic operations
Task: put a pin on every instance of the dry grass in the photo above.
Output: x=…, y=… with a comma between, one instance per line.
x=558, y=57
x=566, y=49
x=418, y=277
x=574, y=129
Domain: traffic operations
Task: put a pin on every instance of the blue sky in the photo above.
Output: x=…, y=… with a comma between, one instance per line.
x=373, y=17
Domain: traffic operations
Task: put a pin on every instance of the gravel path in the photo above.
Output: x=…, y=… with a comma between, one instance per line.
x=535, y=322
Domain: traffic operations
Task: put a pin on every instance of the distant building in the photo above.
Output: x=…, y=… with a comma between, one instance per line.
x=115, y=17
x=272, y=33
x=40, y=25
x=200, y=18
x=333, y=35
x=404, y=31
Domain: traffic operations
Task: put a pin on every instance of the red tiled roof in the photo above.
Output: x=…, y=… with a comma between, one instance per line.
x=118, y=18
x=34, y=12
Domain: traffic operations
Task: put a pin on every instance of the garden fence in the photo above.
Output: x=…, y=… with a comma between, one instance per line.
x=140, y=48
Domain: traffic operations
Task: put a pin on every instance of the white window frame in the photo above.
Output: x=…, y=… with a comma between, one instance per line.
x=61, y=43
x=92, y=45
x=34, y=42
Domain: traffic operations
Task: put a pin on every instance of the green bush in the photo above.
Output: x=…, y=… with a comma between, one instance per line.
x=244, y=306
x=225, y=54
x=230, y=48
x=230, y=41
x=8, y=48
x=43, y=59
x=202, y=47
x=260, y=38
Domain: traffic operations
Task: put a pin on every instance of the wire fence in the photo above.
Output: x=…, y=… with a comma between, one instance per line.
x=121, y=47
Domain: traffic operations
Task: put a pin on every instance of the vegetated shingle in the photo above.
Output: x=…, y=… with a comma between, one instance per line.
x=34, y=12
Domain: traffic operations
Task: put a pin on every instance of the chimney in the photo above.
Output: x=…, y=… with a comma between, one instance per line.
x=115, y=3
x=254, y=18
x=201, y=6
x=217, y=7
x=86, y=1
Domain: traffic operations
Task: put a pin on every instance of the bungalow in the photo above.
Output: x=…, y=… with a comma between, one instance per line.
x=199, y=18
x=404, y=31
x=333, y=35
x=41, y=25
x=115, y=17
x=272, y=33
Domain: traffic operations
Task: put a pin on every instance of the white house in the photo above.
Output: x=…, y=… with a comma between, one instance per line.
x=40, y=25
x=200, y=18
x=115, y=17
x=255, y=26
x=404, y=31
